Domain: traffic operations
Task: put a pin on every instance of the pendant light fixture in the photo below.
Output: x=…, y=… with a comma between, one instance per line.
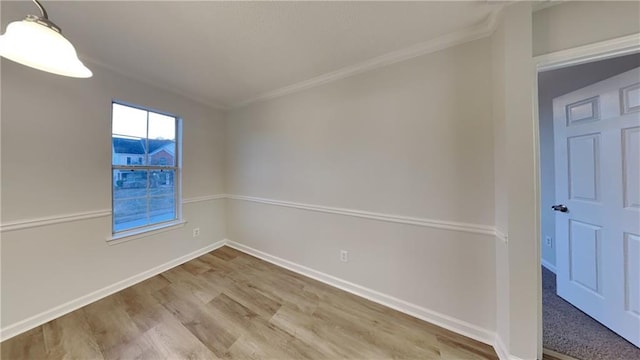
x=38, y=43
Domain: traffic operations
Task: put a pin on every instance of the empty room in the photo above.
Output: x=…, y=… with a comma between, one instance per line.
x=307, y=180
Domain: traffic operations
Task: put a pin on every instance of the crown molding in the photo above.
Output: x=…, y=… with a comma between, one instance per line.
x=481, y=30
x=165, y=87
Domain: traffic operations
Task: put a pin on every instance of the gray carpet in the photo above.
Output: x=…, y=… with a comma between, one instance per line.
x=569, y=331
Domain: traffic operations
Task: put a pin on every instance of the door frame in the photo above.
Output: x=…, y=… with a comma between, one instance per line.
x=617, y=47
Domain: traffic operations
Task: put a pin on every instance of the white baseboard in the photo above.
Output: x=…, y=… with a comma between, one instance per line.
x=548, y=265
x=48, y=315
x=501, y=349
x=445, y=321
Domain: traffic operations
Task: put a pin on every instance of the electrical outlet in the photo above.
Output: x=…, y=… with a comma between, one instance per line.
x=196, y=232
x=344, y=256
x=548, y=241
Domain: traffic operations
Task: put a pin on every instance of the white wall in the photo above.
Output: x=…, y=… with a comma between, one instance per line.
x=411, y=139
x=498, y=57
x=575, y=23
x=517, y=272
x=56, y=160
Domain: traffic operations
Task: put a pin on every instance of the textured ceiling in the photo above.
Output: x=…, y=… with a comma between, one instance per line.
x=224, y=53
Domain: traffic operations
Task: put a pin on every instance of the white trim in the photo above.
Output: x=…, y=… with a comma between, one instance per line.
x=501, y=348
x=484, y=29
x=624, y=45
x=432, y=223
x=85, y=215
x=548, y=265
x=144, y=232
x=545, y=4
x=50, y=220
x=203, y=198
x=579, y=55
x=445, y=321
x=58, y=311
x=501, y=235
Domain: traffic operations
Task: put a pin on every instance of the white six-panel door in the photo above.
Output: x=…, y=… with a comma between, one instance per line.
x=597, y=167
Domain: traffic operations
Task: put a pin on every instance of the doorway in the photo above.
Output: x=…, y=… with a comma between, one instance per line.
x=569, y=326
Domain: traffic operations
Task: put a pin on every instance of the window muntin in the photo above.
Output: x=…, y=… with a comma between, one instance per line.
x=145, y=168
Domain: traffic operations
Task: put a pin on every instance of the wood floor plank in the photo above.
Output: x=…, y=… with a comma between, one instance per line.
x=455, y=349
x=266, y=341
x=174, y=341
x=211, y=332
x=217, y=264
x=196, y=267
x=70, y=334
x=229, y=305
x=109, y=322
x=29, y=345
x=226, y=253
x=254, y=300
x=322, y=336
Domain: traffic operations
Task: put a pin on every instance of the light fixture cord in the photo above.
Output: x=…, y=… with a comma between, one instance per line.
x=42, y=10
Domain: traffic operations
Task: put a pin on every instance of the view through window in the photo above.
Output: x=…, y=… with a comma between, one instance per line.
x=145, y=167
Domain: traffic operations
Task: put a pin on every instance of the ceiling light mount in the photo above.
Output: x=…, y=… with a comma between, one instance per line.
x=44, y=21
x=37, y=42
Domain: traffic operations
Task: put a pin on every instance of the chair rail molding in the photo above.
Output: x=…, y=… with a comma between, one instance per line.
x=51, y=220
x=85, y=215
x=407, y=220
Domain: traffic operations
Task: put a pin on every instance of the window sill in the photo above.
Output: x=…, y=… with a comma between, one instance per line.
x=140, y=233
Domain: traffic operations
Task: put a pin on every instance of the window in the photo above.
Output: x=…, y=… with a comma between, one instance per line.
x=145, y=168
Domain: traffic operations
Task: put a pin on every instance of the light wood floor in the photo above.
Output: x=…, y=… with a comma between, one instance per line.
x=230, y=305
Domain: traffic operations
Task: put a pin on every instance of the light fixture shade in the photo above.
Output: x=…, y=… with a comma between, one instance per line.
x=35, y=45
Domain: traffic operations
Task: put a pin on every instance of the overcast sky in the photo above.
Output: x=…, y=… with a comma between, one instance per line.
x=132, y=122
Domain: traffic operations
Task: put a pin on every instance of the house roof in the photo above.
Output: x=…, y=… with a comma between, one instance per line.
x=137, y=146
x=127, y=146
x=156, y=144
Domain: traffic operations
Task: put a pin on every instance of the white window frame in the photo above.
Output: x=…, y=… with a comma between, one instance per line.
x=150, y=229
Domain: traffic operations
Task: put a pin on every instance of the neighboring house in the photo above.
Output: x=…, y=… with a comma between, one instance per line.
x=128, y=151
x=161, y=152
x=131, y=151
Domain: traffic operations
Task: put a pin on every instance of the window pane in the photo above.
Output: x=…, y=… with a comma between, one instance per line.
x=129, y=199
x=162, y=126
x=162, y=144
x=129, y=183
x=162, y=208
x=129, y=213
x=161, y=183
x=128, y=151
x=162, y=152
x=129, y=122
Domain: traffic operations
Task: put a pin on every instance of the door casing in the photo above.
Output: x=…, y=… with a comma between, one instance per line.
x=603, y=50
